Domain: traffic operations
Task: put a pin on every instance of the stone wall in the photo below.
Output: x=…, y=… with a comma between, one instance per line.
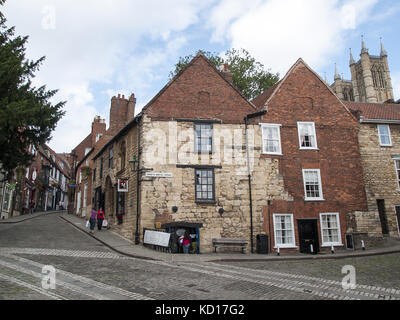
x=159, y=195
x=380, y=179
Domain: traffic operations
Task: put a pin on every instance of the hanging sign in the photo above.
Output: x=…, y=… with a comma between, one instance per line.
x=122, y=185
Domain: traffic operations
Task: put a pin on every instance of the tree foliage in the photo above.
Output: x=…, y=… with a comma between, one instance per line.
x=248, y=75
x=27, y=117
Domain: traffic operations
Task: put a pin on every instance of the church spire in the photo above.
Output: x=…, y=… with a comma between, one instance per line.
x=337, y=75
x=364, y=48
x=383, y=51
x=351, y=58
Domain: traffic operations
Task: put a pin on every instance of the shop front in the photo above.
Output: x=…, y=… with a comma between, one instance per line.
x=178, y=229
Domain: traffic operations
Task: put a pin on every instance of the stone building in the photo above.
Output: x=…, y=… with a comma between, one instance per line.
x=313, y=139
x=379, y=140
x=46, y=181
x=121, y=112
x=185, y=160
x=370, y=79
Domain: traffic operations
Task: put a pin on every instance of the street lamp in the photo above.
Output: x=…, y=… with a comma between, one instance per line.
x=135, y=163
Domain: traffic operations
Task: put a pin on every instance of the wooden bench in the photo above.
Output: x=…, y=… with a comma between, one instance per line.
x=229, y=242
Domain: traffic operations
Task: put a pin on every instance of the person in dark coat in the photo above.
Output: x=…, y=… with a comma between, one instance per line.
x=92, y=220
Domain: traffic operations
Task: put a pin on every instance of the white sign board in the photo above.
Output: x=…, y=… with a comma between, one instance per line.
x=158, y=174
x=157, y=238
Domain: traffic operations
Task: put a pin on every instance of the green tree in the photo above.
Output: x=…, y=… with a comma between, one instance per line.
x=27, y=117
x=248, y=75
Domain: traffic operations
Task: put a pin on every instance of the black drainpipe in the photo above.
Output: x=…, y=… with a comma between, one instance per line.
x=246, y=119
x=137, y=234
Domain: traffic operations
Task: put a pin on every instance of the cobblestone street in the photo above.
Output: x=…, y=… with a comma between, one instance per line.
x=88, y=270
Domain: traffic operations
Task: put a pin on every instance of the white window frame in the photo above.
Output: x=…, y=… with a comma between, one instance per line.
x=321, y=195
x=380, y=135
x=314, y=132
x=328, y=244
x=397, y=170
x=286, y=245
x=271, y=125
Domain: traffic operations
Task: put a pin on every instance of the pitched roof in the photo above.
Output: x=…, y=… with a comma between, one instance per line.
x=197, y=57
x=260, y=100
x=376, y=111
x=269, y=94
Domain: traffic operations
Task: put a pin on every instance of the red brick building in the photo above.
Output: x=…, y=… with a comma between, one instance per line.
x=314, y=137
x=121, y=112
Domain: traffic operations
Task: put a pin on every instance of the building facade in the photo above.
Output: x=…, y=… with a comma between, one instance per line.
x=313, y=137
x=379, y=140
x=121, y=112
x=200, y=153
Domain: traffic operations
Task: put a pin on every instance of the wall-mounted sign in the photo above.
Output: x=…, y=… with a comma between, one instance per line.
x=157, y=238
x=158, y=174
x=122, y=185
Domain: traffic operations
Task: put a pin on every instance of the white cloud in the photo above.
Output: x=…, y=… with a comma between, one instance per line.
x=278, y=32
x=94, y=42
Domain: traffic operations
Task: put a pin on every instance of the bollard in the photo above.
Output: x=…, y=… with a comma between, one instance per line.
x=362, y=244
x=311, y=248
x=332, y=249
x=278, y=253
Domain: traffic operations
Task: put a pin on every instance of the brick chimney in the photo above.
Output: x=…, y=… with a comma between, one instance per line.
x=131, y=108
x=226, y=73
x=118, y=113
x=98, y=127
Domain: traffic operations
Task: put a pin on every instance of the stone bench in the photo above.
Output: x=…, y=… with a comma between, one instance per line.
x=229, y=242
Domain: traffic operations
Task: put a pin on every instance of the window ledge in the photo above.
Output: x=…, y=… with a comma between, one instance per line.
x=289, y=247
x=211, y=202
x=272, y=154
x=317, y=149
x=332, y=244
x=314, y=199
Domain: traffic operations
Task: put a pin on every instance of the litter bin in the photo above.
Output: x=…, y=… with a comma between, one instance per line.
x=262, y=244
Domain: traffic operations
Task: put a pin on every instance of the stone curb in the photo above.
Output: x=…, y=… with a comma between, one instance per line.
x=107, y=245
x=29, y=217
x=269, y=258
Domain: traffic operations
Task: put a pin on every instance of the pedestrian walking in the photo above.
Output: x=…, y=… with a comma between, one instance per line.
x=31, y=206
x=92, y=220
x=186, y=242
x=100, y=218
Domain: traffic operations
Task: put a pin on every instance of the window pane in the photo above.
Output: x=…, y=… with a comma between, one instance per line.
x=271, y=139
x=204, y=185
x=383, y=130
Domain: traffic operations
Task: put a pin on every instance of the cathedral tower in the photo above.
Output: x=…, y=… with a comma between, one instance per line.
x=370, y=78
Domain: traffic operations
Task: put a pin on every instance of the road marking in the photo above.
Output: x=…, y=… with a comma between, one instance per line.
x=88, y=281
x=32, y=287
x=297, y=276
x=62, y=253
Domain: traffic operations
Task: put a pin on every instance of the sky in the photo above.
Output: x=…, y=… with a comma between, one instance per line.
x=96, y=49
